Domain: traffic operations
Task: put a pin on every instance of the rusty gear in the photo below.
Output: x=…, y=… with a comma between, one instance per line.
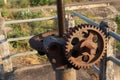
x=85, y=46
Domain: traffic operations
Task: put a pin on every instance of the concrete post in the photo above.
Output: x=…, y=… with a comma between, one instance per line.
x=111, y=71
x=5, y=1
x=108, y=68
x=4, y=49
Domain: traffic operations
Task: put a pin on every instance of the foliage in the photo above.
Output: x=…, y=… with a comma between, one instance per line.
x=24, y=3
x=2, y=3
x=31, y=28
x=27, y=3
x=117, y=19
x=39, y=2
x=4, y=12
x=23, y=14
x=118, y=45
x=19, y=3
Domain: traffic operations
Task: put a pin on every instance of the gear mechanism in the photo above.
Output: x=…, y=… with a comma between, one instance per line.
x=85, y=46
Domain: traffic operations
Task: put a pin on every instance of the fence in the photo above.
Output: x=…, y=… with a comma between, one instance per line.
x=6, y=57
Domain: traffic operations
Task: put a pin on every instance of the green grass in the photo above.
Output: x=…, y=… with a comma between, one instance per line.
x=117, y=20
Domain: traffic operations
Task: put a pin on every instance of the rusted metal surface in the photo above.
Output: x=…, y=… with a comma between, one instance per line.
x=56, y=56
x=36, y=42
x=66, y=74
x=61, y=17
x=85, y=46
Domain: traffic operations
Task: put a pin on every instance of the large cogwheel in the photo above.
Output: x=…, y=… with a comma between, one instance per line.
x=85, y=46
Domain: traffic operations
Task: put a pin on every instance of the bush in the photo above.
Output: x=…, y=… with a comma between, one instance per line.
x=39, y=2
x=118, y=45
x=2, y=3
x=117, y=20
x=23, y=14
x=4, y=13
x=19, y=3
x=24, y=3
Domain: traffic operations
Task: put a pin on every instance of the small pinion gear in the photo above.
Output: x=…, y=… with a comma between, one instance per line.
x=85, y=46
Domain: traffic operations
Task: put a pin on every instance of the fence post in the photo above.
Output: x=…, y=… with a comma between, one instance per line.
x=1, y=69
x=116, y=67
x=4, y=48
x=107, y=68
x=110, y=66
x=70, y=22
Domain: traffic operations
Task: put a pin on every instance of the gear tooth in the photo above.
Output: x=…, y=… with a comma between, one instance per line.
x=79, y=26
x=69, y=59
x=79, y=67
x=85, y=26
x=67, y=43
x=77, y=29
x=65, y=46
x=103, y=33
x=67, y=36
x=70, y=34
x=89, y=66
x=98, y=28
x=100, y=31
x=66, y=39
x=84, y=67
x=96, y=63
x=76, y=65
x=82, y=25
x=93, y=26
x=88, y=26
x=68, y=55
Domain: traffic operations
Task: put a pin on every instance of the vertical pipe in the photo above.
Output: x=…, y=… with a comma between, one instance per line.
x=66, y=74
x=61, y=17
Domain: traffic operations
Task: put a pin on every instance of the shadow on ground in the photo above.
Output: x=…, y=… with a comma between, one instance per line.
x=44, y=72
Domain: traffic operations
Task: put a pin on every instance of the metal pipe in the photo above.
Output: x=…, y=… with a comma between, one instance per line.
x=61, y=17
x=115, y=60
x=96, y=69
x=115, y=35
x=85, y=18
x=30, y=20
x=66, y=74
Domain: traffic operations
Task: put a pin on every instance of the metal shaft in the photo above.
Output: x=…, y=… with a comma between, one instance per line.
x=66, y=74
x=61, y=17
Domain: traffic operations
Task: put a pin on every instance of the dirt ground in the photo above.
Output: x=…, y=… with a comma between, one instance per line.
x=45, y=72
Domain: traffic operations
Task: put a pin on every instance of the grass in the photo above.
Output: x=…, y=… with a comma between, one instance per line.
x=117, y=20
